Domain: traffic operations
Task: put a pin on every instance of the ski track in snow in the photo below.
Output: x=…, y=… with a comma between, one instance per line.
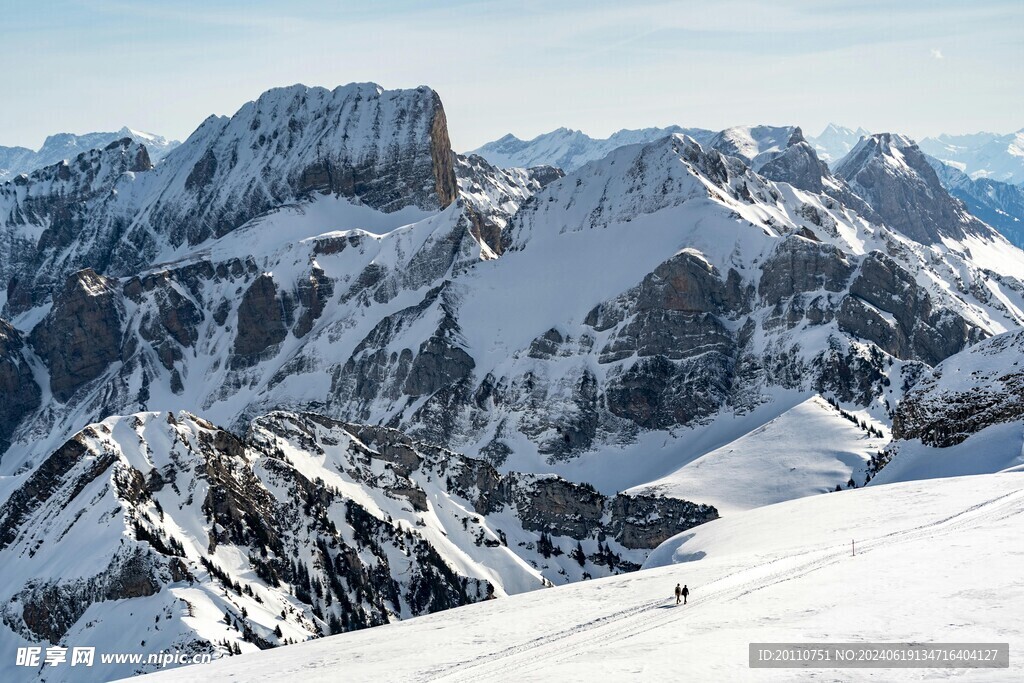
x=528, y=657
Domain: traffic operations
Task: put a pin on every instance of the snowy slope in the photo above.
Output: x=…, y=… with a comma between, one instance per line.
x=755, y=145
x=809, y=449
x=775, y=574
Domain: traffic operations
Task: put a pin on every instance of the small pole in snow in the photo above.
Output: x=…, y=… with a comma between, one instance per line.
x=853, y=547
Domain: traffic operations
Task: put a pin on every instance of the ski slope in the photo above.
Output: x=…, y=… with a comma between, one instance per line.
x=938, y=561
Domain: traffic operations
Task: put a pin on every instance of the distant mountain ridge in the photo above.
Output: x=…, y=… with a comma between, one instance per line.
x=569, y=149
x=999, y=204
x=66, y=146
x=836, y=141
x=996, y=156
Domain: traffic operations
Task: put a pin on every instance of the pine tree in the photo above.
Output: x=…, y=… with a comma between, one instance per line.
x=578, y=554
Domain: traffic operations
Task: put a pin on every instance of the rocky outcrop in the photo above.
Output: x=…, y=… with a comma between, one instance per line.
x=439, y=362
x=800, y=266
x=646, y=521
x=81, y=336
x=50, y=609
x=263, y=321
x=21, y=394
x=977, y=388
x=894, y=177
x=889, y=308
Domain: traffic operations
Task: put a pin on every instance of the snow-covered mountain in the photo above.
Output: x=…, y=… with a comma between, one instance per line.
x=67, y=146
x=783, y=573
x=999, y=204
x=304, y=527
x=569, y=149
x=835, y=142
x=405, y=325
x=981, y=155
x=647, y=323
x=388, y=150
x=755, y=145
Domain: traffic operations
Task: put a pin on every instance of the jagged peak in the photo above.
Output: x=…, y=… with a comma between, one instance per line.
x=891, y=146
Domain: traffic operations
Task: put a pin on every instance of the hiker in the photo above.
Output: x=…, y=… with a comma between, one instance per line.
x=686, y=592
x=679, y=592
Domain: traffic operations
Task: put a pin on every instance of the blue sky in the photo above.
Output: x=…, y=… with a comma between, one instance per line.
x=919, y=67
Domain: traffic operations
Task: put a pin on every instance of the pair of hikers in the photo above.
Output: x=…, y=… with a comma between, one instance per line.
x=681, y=593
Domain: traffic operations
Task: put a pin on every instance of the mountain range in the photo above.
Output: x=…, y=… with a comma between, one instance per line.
x=964, y=168
x=17, y=160
x=314, y=371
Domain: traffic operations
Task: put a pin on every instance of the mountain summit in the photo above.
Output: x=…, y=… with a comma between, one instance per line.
x=892, y=174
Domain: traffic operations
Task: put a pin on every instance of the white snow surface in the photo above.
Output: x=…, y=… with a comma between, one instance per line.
x=755, y=145
x=934, y=561
x=809, y=449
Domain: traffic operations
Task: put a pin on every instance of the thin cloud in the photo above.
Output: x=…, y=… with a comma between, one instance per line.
x=937, y=53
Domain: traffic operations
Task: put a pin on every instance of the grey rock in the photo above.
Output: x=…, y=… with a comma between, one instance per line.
x=943, y=414
x=919, y=332
x=894, y=177
x=799, y=265
x=81, y=336
x=21, y=393
x=261, y=322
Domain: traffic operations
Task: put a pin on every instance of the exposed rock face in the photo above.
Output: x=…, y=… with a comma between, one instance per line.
x=797, y=165
x=914, y=330
x=21, y=394
x=642, y=521
x=895, y=178
x=801, y=266
x=49, y=610
x=675, y=316
x=263, y=321
x=970, y=391
x=78, y=206
x=81, y=336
